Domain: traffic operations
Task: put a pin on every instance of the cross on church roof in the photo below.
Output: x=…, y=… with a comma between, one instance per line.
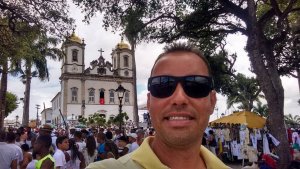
x=101, y=51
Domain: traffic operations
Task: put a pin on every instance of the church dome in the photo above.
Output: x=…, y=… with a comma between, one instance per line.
x=122, y=45
x=74, y=38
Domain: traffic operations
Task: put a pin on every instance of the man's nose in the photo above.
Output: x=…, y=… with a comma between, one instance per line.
x=179, y=97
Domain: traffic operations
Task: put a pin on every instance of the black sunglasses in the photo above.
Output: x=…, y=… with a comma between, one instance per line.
x=195, y=86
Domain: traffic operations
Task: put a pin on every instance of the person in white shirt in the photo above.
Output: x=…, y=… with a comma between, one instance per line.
x=132, y=140
x=78, y=138
x=11, y=139
x=76, y=158
x=62, y=144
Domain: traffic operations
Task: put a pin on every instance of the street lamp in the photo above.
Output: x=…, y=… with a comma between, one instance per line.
x=17, y=118
x=121, y=90
x=37, y=115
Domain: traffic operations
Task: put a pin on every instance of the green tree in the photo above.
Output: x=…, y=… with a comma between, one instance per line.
x=245, y=91
x=82, y=120
x=50, y=16
x=38, y=47
x=120, y=119
x=96, y=119
x=292, y=121
x=11, y=103
x=268, y=37
x=261, y=109
x=10, y=45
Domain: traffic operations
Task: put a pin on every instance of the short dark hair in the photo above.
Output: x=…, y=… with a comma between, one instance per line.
x=46, y=140
x=2, y=135
x=182, y=47
x=60, y=139
x=10, y=137
x=78, y=134
x=109, y=135
x=25, y=147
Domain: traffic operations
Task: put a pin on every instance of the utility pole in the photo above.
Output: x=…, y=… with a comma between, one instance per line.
x=37, y=115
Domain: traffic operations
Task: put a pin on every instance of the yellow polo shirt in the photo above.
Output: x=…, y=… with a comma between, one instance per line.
x=144, y=157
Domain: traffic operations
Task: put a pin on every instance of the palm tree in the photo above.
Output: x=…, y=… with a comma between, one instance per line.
x=244, y=91
x=40, y=46
x=292, y=121
x=261, y=109
x=132, y=32
x=11, y=46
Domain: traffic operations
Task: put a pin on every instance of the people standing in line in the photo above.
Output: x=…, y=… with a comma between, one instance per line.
x=76, y=157
x=8, y=158
x=180, y=101
x=41, y=148
x=212, y=143
x=62, y=143
x=27, y=156
x=90, y=151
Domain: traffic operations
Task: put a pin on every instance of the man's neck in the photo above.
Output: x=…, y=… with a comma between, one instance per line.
x=43, y=154
x=188, y=157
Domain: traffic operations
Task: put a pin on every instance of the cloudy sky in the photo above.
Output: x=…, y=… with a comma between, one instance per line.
x=96, y=37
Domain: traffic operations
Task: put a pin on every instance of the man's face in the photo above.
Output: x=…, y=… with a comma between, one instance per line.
x=180, y=120
x=64, y=145
x=37, y=146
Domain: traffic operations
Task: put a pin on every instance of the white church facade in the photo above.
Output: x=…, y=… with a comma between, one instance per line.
x=89, y=89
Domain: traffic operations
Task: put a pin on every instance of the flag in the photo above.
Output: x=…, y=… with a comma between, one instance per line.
x=101, y=101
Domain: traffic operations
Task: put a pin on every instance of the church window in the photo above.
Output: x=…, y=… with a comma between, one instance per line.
x=111, y=96
x=101, y=99
x=126, y=97
x=126, y=62
x=74, y=91
x=91, y=95
x=75, y=55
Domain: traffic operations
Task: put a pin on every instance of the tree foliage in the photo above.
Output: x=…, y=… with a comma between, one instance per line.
x=261, y=109
x=11, y=103
x=50, y=16
x=292, y=121
x=245, y=91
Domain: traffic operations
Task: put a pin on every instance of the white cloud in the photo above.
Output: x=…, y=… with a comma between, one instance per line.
x=96, y=37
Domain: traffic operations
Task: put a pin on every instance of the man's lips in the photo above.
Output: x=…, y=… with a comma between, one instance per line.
x=176, y=116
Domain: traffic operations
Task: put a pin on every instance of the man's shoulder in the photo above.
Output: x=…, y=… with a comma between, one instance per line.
x=124, y=162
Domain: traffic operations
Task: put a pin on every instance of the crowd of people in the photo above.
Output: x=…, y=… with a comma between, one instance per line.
x=65, y=149
x=234, y=142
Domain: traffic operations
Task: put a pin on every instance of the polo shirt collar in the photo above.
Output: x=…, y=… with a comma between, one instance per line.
x=145, y=156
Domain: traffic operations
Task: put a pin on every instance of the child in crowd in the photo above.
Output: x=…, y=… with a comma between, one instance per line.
x=62, y=144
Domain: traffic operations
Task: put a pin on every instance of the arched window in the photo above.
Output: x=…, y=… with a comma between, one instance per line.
x=126, y=95
x=75, y=55
x=111, y=96
x=101, y=99
x=126, y=61
x=91, y=95
x=74, y=91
